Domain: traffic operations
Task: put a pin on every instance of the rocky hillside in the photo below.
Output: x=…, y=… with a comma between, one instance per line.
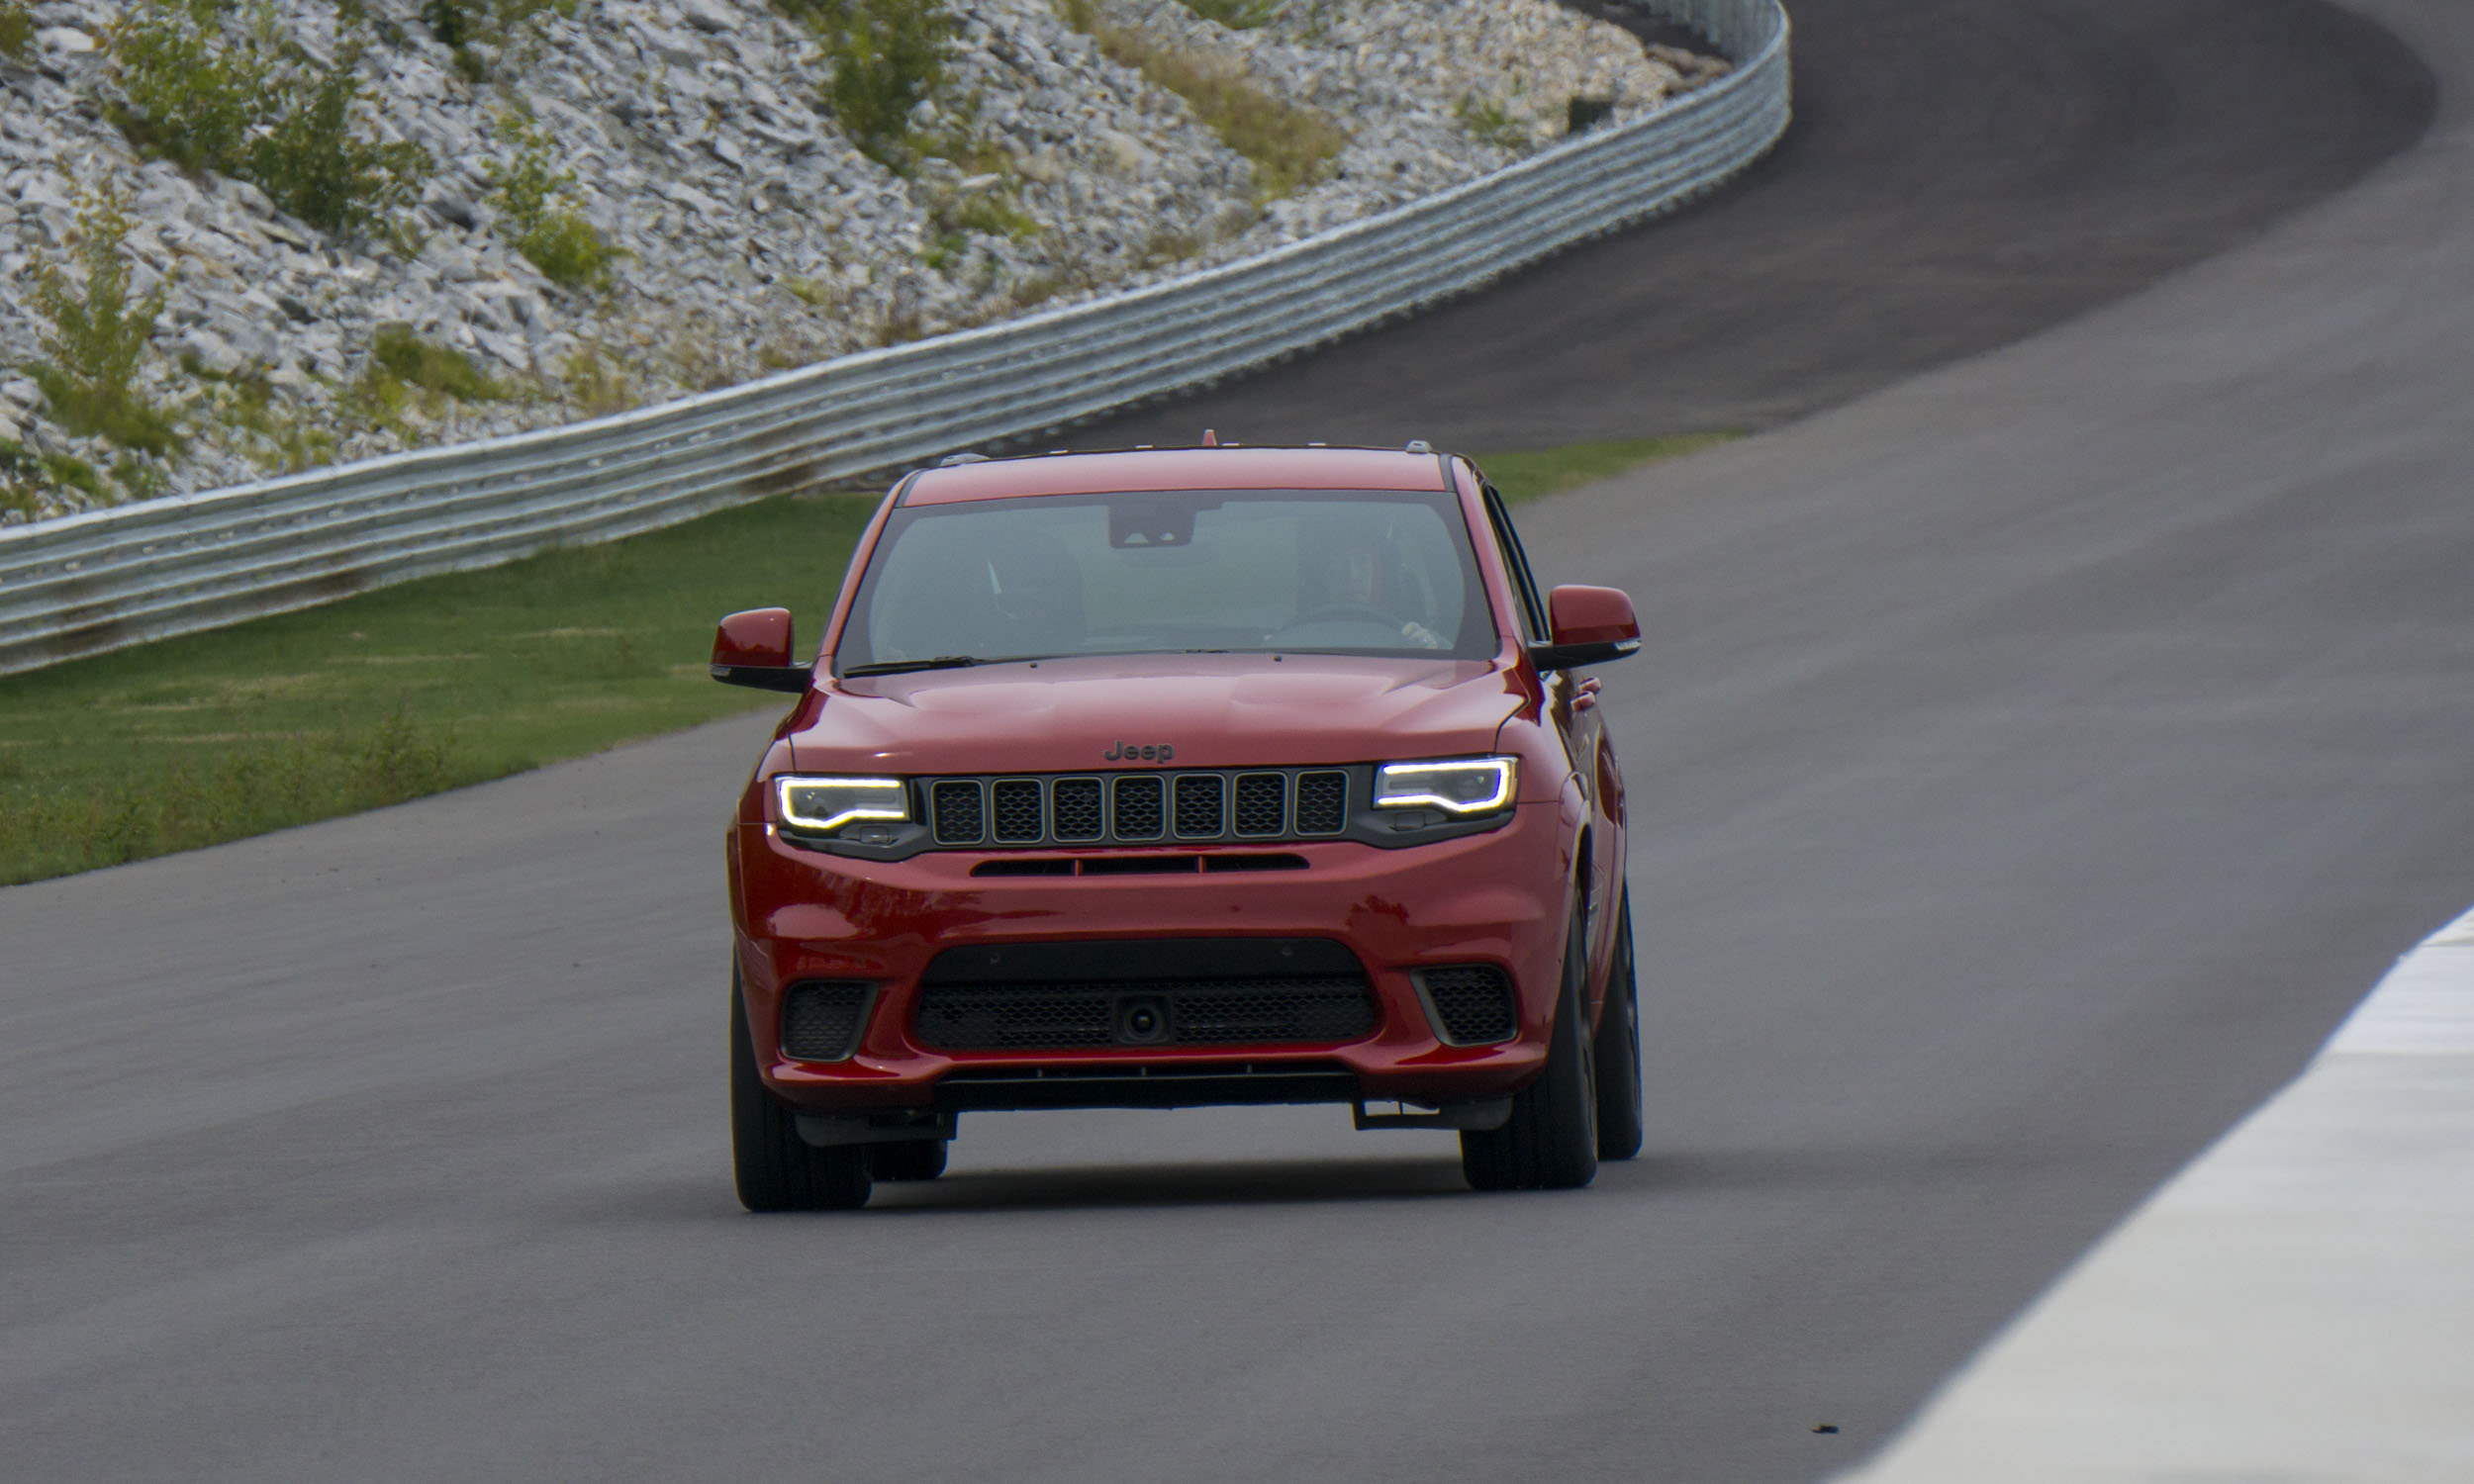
x=252, y=236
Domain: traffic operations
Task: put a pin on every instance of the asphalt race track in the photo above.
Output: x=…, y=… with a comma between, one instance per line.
x=2033, y=760
x=1958, y=175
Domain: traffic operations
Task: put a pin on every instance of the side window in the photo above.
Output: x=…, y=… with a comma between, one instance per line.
x=1532, y=620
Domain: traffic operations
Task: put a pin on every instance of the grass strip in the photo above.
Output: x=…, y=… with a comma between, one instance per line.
x=444, y=682
x=406, y=690
x=1535, y=473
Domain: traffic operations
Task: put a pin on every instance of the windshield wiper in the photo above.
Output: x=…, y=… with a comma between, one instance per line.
x=898, y=666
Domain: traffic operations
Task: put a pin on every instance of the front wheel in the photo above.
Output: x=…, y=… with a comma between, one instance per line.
x=1619, y=1047
x=777, y=1170
x=1551, y=1141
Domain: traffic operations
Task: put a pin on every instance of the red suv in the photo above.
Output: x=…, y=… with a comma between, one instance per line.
x=1182, y=778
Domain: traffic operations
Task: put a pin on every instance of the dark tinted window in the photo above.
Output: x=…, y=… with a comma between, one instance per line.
x=1347, y=572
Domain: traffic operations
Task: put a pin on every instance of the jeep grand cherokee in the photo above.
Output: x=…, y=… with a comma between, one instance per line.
x=1182, y=778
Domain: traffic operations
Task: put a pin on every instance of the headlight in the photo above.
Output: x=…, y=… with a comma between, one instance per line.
x=820, y=805
x=1462, y=785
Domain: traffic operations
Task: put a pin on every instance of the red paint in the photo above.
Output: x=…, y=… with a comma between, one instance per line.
x=1505, y=896
x=1591, y=615
x=762, y=638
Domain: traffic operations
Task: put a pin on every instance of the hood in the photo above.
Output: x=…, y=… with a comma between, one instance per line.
x=1214, y=710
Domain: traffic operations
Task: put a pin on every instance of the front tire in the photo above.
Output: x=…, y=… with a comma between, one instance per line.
x=1619, y=1047
x=1551, y=1141
x=777, y=1170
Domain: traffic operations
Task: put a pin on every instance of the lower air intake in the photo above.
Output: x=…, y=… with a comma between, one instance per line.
x=822, y=1019
x=1302, y=1010
x=1471, y=1004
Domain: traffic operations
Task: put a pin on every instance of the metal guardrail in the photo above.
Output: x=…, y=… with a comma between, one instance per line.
x=106, y=578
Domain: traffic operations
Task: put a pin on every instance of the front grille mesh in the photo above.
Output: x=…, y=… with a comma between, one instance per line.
x=1473, y=1003
x=959, y=813
x=1282, y=1010
x=1017, y=811
x=820, y=1019
x=1074, y=809
x=1199, y=804
x=1139, y=808
x=1322, y=803
x=1262, y=803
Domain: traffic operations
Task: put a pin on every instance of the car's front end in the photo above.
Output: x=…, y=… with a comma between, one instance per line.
x=1332, y=864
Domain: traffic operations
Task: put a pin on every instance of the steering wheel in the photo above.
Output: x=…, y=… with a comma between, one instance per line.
x=1341, y=610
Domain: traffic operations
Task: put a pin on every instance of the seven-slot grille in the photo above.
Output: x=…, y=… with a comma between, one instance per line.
x=1139, y=808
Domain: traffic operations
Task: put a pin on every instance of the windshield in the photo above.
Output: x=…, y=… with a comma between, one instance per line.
x=1349, y=572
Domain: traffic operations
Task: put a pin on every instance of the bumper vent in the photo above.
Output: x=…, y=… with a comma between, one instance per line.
x=1054, y=996
x=1471, y=1004
x=1305, y=1010
x=822, y=1019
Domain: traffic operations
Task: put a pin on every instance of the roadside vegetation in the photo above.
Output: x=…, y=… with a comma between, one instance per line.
x=395, y=694
x=538, y=201
x=214, y=88
x=16, y=30
x=98, y=333
x=448, y=681
x=885, y=58
x=1290, y=148
x=1534, y=473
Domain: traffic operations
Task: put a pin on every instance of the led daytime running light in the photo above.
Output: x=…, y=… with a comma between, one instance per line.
x=1413, y=785
x=832, y=802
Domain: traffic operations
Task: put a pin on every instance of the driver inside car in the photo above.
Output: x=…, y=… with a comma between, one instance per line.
x=1344, y=568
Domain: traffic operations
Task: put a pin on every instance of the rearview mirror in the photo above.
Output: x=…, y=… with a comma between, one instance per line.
x=1591, y=626
x=754, y=649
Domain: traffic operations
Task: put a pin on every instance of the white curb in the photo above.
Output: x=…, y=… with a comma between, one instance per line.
x=2296, y=1305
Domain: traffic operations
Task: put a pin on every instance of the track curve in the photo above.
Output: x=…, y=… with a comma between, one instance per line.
x=2033, y=760
x=1958, y=175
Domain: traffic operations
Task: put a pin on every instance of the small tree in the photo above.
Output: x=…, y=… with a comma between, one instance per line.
x=549, y=231
x=98, y=335
x=311, y=164
x=248, y=101
x=888, y=56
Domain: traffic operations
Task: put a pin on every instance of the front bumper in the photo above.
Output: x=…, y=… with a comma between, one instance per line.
x=1501, y=897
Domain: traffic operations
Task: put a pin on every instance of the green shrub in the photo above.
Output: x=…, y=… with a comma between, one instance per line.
x=1489, y=124
x=249, y=102
x=23, y=482
x=16, y=30
x=311, y=164
x=398, y=353
x=1236, y=15
x=551, y=234
x=1289, y=146
x=75, y=473
x=98, y=335
x=888, y=56
x=193, y=96
x=464, y=26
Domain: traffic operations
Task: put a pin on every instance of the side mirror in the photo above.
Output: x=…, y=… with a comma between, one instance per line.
x=1591, y=625
x=754, y=649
